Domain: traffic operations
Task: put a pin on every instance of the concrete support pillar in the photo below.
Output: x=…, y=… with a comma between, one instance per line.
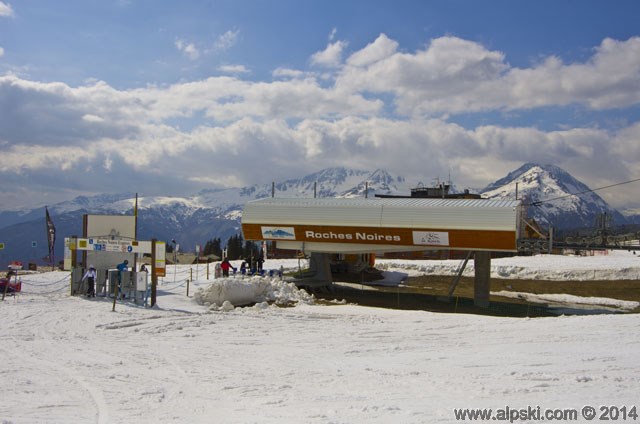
x=482, y=281
x=320, y=265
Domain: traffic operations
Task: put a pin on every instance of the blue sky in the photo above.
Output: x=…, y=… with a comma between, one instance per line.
x=167, y=98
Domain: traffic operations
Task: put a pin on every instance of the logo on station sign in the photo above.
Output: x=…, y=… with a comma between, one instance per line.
x=431, y=238
x=280, y=233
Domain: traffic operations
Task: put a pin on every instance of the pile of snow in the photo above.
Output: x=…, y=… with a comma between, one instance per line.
x=229, y=292
x=567, y=299
x=613, y=265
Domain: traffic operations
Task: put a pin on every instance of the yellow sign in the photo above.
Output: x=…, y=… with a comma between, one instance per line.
x=1, y=246
x=160, y=265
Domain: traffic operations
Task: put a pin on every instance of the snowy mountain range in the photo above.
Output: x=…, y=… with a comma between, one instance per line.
x=209, y=214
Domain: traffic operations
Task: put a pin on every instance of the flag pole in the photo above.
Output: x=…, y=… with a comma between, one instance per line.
x=51, y=237
x=135, y=233
x=135, y=213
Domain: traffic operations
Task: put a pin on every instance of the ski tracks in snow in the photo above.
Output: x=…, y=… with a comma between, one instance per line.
x=49, y=348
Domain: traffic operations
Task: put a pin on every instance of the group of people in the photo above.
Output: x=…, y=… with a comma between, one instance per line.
x=91, y=276
x=255, y=266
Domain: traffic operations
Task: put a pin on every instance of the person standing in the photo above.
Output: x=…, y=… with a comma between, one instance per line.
x=90, y=276
x=8, y=288
x=122, y=267
x=226, y=266
x=260, y=262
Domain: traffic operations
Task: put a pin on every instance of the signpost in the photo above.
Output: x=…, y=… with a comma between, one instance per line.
x=108, y=245
x=197, y=260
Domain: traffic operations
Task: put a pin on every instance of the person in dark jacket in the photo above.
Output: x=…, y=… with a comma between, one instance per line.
x=260, y=262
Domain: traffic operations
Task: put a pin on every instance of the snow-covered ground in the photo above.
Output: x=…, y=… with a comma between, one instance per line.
x=197, y=359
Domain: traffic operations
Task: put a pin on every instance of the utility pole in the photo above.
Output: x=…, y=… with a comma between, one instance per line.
x=154, y=274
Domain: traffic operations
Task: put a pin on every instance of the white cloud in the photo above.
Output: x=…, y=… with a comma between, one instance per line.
x=107, y=164
x=331, y=56
x=233, y=69
x=227, y=40
x=189, y=49
x=92, y=118
x=608, y=80
x=1, y=52
x=227, y=99
x=6, y=10
x=223, y=42
x=380, y=49
x=288, y=73
x=452, y=75
x=333, y=33
x=445, y=77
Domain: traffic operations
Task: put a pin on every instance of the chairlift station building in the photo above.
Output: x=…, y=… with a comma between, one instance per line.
x=378, y=225
x=383, y=224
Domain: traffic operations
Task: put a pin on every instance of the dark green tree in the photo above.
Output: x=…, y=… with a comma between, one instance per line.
x=250, y=250
x=235, y=247
x=213, y=247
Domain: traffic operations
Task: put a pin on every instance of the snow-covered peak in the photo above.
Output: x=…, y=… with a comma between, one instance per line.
x=122, y=203
x=330, y=182
x=551, y=196
x=112, y=203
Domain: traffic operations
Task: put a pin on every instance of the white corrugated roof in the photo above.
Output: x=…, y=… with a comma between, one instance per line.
x=377, y=202
x=385, y=212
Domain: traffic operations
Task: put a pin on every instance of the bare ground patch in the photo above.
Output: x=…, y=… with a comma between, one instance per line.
x=430, y=292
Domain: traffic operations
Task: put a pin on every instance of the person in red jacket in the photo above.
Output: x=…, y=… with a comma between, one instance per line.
x=226, y=266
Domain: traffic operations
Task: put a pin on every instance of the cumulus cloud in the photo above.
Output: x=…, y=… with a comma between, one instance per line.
x=383, y=108
x=5, y=9
x=452, y=76
x=331, y=56
x=1, y=52
x=382, y=48
x=445, y=77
